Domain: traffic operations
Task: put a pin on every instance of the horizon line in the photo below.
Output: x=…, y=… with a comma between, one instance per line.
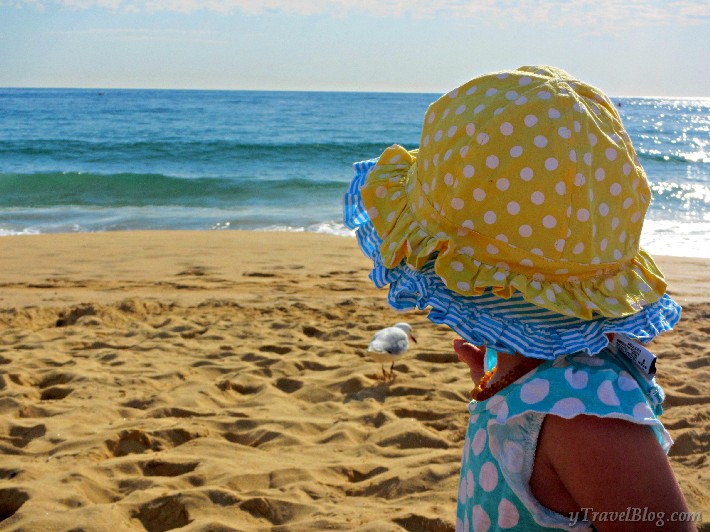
x=334, y=91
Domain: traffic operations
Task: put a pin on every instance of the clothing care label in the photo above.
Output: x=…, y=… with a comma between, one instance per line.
x=638, y=354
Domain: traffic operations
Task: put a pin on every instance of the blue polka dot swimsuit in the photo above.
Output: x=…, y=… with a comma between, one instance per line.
x=499, y=449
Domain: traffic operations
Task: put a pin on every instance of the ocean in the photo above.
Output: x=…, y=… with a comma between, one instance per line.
x=108, y=160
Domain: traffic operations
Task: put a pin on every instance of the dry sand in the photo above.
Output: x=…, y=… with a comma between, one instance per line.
x=220, y=381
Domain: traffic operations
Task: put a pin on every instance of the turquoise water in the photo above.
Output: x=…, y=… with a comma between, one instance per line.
x=88, y=160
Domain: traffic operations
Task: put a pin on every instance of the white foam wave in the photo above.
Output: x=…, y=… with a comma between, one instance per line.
x=12, y=232
x=677, y=239
x=329, y=228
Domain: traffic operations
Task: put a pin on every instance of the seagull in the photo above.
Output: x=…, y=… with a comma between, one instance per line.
x=389, y=344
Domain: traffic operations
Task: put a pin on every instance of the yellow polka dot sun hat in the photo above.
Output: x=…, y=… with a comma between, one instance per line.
x=519, y=214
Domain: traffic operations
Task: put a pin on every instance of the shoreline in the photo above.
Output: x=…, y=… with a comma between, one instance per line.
x=55, y=259
x=682, y=240
x=220, y=379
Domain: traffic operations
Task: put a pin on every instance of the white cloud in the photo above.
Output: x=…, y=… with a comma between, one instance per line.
x=603, y=15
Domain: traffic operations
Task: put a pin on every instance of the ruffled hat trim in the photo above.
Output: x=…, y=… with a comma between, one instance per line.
x=610, y=290
x=510, y=324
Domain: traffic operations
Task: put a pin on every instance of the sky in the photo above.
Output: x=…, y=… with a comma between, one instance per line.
x=625, y=47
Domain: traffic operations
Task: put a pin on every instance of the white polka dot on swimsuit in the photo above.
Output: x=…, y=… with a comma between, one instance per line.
x=499, y=449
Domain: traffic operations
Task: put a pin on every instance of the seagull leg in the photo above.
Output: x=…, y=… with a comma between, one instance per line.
x=392, y=376
x=384, y=375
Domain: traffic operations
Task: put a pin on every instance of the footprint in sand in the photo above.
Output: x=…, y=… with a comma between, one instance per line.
x=674, y=398
x=313, y=366
x=172, y=411
x=276, y=511
x=176, y=437
x=21, y=436
x=437, y=358
x=14, y=379
x=263, y=438
x=278, y=349
x=220, y=355
x=353, y=385
x=359, y=475
x=132, y=442
x=160, y=468
x=222, y=497
x=139, y=404
x=420, y=415
x=55, y=393
x=689, y=442
x=55, y=379
x=194, y=271
x=287, y=385
x=74, y=314
x=432, y=420
x=252, y=439
x=163, y=513
x=258, y=274
x=9, y=474
x=313, y=332
x=698, y=363
x=420, y=522
x=239, y=388
x=408, y=434
x=11, y=500
x=112, y=360
x=138, y=442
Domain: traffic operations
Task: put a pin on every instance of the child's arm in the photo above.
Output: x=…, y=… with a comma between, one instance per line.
x=472, y=356
x=611, y=465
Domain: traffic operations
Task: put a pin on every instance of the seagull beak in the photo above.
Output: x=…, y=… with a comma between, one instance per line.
x=413, y=339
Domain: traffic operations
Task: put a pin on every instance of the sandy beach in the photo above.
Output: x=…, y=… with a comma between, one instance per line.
x=220, y=381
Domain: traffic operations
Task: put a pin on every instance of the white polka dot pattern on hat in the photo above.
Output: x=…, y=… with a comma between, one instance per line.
x=546, y=172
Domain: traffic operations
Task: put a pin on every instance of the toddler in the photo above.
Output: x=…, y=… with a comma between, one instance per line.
x=517, y=223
